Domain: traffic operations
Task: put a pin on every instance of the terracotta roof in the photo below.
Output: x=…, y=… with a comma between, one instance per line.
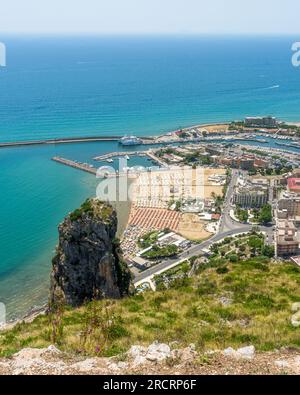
x=294, y=183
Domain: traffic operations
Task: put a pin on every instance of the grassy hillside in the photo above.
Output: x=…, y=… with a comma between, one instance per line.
x=224, y=304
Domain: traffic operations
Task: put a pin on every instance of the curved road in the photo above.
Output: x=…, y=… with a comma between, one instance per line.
x=227, y=227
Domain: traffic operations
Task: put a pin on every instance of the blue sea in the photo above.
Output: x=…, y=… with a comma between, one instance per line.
x=84, y=86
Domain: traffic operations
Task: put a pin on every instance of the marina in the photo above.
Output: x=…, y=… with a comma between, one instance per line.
x=126, y=155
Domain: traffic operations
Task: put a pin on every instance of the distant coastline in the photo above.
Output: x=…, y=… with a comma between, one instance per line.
x=86, y=139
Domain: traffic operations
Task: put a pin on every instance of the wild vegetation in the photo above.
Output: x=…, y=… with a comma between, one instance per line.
x=161, y=251
x=227, y=302
x=91, y=208
x=244, y=246
x=148, y=239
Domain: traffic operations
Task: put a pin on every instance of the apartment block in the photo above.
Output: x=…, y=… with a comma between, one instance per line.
x=268, y=122
x=290, y=205
x=286, y=239
x=251, y=194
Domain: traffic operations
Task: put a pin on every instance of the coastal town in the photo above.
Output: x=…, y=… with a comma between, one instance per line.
x=150, y=192
x=206, y=184
x=203, y=222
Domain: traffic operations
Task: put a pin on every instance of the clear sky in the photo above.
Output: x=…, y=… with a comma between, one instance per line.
x=150, y=16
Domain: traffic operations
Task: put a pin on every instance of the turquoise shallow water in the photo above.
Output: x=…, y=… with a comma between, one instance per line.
x=36, y=194
x=56, y=87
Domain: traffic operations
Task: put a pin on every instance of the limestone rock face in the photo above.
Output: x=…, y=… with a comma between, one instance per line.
x=88, y=264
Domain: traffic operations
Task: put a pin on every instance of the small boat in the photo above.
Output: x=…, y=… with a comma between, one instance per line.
x=109, y=160
x=126, y=157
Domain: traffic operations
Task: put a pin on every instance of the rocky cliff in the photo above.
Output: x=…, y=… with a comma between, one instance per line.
x=88, y=264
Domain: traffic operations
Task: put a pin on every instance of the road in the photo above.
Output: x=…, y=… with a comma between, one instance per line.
x=227, y=227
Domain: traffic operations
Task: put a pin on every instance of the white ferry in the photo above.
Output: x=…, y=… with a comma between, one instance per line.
x=130, y=140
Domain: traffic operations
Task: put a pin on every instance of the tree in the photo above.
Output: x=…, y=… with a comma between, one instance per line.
x=265, y=215
x=185, y=268
x=214, y=248
x=268, y=251
x=242, y=248
x=269, y=172
x=233, y=258
x=178, y=205
x=242, y=215
x=255, y=243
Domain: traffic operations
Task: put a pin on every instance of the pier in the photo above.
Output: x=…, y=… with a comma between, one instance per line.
x=150, y=155
x=67, y=140
x=92, y=170
x=120, y=154
x=156, y=159
x=76, y=165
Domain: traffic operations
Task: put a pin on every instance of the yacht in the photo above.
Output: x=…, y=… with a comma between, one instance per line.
x=130, y=140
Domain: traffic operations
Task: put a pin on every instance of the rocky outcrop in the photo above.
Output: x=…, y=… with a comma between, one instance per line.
x=241, y=353
x=88, y=264
x=157, y=358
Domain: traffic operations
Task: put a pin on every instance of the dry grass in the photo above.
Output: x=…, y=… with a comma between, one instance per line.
x=261, y=295
x=192, y=228
x=215, y=128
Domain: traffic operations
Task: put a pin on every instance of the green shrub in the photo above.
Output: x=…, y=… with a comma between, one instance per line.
x=256, y=301
x=222, y=270
x=233, y=258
